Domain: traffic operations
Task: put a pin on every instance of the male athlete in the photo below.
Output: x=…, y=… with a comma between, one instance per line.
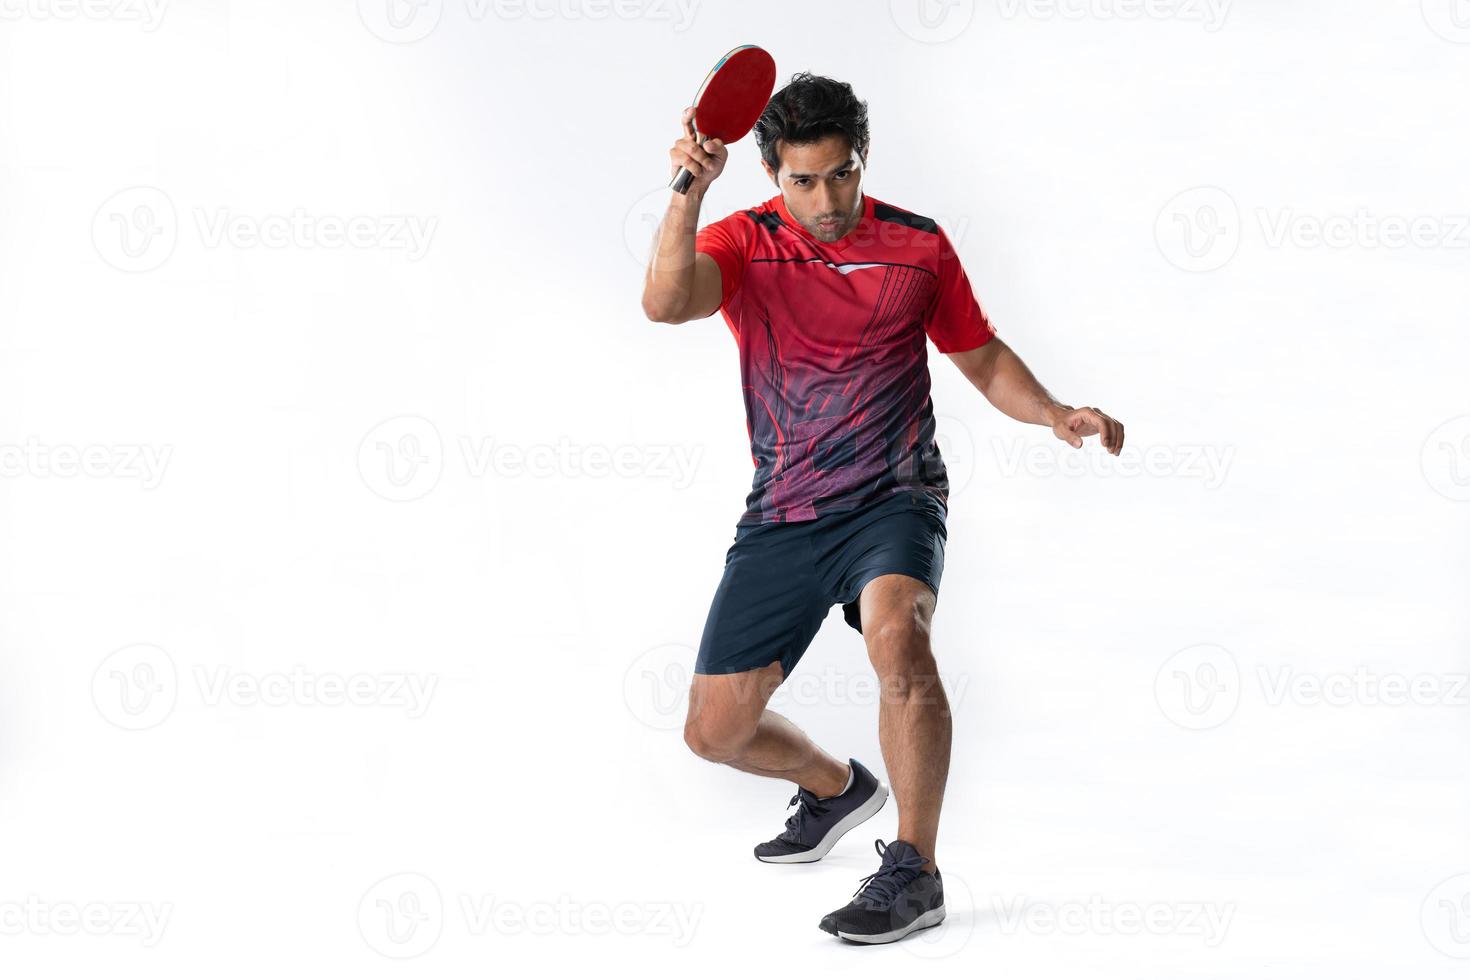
x=830, y=295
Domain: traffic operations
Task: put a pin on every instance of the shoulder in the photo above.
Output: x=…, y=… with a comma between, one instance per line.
x=885, y=212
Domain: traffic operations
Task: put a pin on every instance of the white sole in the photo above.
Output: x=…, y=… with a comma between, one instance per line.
x=870, y=806
x=930, y=918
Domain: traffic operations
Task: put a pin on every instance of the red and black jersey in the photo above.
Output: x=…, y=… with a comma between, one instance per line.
x=832, y=355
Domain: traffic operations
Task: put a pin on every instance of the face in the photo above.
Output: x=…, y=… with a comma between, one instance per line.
x=821, y=184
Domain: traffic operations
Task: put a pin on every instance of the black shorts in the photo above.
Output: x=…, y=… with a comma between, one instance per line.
x=781, y=579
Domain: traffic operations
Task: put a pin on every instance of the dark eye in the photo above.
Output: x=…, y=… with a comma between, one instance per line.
x=801, y=182
x=842, y=174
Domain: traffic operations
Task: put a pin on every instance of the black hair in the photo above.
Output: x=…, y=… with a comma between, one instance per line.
x=807, y=109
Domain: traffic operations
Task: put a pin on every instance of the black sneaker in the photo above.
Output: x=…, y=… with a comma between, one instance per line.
x=820, y=822
x=897, y=899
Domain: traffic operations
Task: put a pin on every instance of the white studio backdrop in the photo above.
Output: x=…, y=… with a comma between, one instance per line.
x=359, y=529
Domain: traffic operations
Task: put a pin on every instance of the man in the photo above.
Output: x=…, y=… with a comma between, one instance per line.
x=830, y=295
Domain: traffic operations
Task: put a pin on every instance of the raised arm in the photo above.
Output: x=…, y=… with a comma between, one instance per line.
x=1008, y=384
x=680, y=283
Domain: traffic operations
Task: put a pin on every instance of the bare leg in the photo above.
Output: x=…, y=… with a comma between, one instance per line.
x=729, y=723
x=913, y=719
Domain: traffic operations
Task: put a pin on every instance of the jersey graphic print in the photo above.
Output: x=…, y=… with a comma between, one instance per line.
x=832, y=356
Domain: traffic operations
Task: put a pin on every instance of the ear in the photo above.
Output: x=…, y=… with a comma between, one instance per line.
x=769, y=172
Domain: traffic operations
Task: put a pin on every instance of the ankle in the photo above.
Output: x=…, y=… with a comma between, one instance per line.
x=842, y=784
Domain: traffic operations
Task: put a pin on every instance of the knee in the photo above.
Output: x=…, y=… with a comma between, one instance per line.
x=713, y=742
x=899, y=642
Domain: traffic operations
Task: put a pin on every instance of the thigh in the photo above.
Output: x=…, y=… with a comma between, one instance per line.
x=731, y=704
x=768, y=606
x=902, y=535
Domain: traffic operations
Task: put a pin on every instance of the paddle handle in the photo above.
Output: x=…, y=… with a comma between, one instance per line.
x=684, y=178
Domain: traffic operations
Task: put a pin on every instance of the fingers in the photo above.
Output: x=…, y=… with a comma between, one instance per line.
x=704, y=159
x=1090, y=421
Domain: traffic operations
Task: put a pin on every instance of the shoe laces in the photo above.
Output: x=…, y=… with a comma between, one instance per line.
x=807, y=806
x=880, y=889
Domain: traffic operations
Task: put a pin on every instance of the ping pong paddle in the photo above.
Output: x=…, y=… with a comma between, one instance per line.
x=731, y=99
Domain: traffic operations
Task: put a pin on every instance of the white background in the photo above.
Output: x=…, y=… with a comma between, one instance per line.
x=1179, y=678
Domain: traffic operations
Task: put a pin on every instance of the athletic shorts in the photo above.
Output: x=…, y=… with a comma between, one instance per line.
x=781, y=579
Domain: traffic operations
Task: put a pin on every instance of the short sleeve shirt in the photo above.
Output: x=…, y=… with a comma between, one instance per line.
x=833, y=360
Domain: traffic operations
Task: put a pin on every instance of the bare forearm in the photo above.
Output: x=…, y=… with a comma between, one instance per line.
x=669, y=281
x=1009, y=385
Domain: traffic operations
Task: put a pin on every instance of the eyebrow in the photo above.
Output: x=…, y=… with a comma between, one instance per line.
x=846, y=165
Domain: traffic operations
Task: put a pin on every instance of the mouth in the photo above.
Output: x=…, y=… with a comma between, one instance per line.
x=828, y=225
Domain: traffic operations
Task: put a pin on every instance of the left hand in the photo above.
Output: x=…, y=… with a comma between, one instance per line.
x=1075, y=423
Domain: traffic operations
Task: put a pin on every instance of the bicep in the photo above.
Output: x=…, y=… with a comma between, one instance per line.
x=704, y=298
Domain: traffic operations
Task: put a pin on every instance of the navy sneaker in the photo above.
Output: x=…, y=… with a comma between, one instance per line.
x=820, y=822
x=897, y=899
